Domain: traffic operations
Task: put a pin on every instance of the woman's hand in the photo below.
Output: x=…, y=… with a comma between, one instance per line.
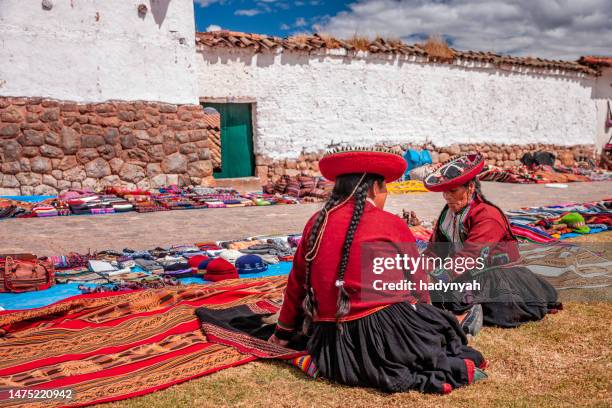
x=275, y=340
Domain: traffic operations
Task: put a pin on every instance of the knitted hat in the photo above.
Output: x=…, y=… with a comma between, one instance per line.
x=250, y=263
x=381, y=161
x=576, y=222
x=454, y=173
x=230, y=255
x=201, y=270
x=196, y=260
x=219, y=269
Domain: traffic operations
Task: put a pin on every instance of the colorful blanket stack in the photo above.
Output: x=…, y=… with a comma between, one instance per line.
x=547, y=224
x=119, y=199
x=306, y=188
x=543, y=174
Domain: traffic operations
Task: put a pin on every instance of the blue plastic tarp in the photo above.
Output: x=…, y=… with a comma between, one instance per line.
x=31, y=300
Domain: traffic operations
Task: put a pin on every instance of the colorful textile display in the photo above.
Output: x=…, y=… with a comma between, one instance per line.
x=110, y=345
x=119, y=199
x=117, y=345
x=305, y=188
x=542, y=174
x=247, y=327
x=546, y=224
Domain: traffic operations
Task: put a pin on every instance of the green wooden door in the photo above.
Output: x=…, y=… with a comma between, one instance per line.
x=237, y=159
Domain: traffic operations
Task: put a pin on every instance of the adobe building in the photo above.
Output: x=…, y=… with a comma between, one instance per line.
x=125, y=92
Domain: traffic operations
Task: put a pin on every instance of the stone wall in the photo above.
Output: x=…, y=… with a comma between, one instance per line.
x=47, y=146
x=268, y=169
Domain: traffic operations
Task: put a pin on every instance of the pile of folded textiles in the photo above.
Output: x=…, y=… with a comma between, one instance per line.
x=263, y=199
x=545, y=224
x=305, y=188
x=88, y=202
x=592, y=174
x=176, y=198
x=542, y=174
x=121, y=199
x=517, y=174
x=212, y=261
x=48, y=207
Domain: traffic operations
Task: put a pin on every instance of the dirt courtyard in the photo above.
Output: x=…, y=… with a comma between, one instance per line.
x=59, y=235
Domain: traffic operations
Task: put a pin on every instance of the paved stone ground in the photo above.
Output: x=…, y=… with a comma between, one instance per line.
x=48, y=236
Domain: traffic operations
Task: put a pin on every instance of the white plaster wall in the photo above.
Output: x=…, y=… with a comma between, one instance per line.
x=307, y=102
x=603, y=96
x=96, y=50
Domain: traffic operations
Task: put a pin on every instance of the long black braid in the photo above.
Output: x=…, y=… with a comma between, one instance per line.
x=345, y=185
x=309, y=304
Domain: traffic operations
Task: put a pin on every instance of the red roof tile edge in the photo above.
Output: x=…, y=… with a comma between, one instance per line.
x=595, y=61
x=316, y=42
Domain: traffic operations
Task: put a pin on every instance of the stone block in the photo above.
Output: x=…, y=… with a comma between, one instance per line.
x=41, y=165
x=51, y=152
x=97, y=168
x=174, y=163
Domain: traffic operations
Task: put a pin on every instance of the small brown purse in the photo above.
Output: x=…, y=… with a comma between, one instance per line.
x=25, y=273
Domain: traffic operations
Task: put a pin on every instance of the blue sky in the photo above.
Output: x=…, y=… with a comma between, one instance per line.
x=274, y=17
x=558, y=29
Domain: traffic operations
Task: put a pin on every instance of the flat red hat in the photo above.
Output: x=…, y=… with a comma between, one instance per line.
x=455, y=173
x=196, y=260
x=383, y=162
x=219, y=269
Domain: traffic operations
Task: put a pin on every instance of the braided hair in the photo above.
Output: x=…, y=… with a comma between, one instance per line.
x=347, y=186
x=309, y=304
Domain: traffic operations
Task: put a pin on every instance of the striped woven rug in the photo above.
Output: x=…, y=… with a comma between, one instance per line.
x=107, y=347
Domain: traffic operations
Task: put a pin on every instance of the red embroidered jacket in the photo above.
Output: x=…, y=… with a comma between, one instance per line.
x=486, y=233
x=376, y=226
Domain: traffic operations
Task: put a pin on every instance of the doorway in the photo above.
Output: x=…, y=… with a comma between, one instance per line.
x=237, y=158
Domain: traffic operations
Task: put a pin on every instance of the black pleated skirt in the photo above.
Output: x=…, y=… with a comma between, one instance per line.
x=509, y=296
x=399, y=348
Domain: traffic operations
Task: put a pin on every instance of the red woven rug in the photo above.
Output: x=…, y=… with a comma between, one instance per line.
x=108, y=347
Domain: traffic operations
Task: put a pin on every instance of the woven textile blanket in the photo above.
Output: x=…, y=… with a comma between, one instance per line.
x=568, y=266
x=117, y=345
x=113, y=346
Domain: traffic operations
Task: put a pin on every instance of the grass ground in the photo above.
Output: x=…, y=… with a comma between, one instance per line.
x=563, y=361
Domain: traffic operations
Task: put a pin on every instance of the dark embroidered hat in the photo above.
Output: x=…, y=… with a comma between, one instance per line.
x=454, y=173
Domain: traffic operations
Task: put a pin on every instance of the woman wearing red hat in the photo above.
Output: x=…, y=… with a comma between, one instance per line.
x=470, y=226
x=395, y=343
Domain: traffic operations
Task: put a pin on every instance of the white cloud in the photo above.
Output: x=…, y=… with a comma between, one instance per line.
x=206, y=3
x=247, y=12
x=213, y=27
x=300, y=22
x=563, y=29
